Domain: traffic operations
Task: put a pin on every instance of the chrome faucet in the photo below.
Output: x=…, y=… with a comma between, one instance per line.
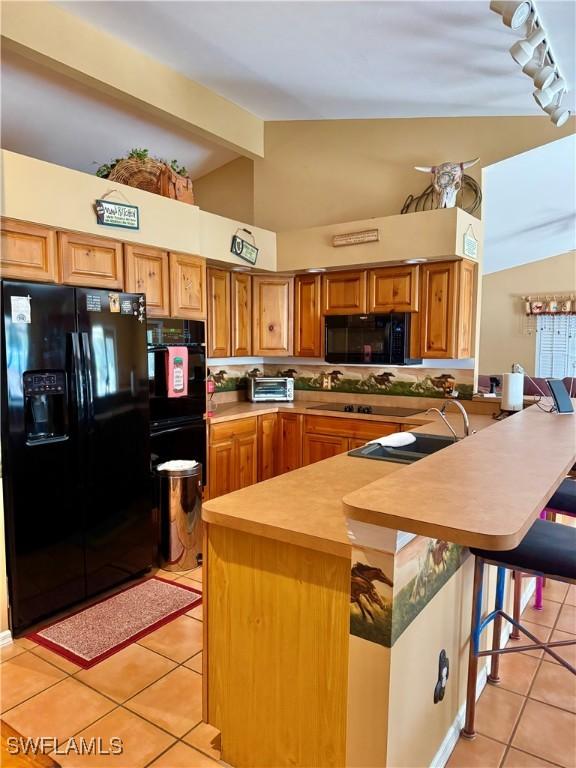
x=444, y=419
x=442, y=413
x=462, y=411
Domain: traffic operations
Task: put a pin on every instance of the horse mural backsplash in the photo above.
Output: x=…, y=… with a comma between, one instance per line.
x=357, y=380
x=388, y=591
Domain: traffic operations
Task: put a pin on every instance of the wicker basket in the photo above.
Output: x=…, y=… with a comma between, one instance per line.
x=153, y=176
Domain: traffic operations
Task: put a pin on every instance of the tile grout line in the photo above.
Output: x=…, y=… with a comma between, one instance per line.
x=528, y=698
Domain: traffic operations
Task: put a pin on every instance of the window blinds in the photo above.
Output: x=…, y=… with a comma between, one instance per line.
x=556, y=346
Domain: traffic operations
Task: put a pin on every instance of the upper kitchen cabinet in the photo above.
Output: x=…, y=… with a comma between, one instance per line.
x=218, y=330
x=147, y=272
x=187, y=286
x=344, y=293
x=447, y=317
x=272, y=309
x=90, y=261
x=28, y=252
x=393, y=289
x=241, y=311
x=307, y=316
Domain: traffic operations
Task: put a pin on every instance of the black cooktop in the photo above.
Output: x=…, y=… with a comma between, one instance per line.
x=375, y=410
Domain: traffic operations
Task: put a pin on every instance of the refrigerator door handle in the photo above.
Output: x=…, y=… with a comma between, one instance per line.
x=87, y=354
x=76, y=378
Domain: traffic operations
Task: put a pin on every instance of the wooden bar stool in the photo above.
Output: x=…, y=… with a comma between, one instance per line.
x=563, y=502
x=547, y=550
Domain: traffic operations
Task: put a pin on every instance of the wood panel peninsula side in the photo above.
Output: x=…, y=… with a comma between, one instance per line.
x=318, y=603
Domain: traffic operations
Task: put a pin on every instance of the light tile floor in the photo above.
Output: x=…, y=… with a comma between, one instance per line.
x=149, y=694
x=528, y=720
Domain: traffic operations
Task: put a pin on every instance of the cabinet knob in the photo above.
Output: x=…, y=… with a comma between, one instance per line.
x=270, y=327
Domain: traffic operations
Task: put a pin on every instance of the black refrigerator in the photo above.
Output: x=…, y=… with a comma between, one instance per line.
x=75, y=445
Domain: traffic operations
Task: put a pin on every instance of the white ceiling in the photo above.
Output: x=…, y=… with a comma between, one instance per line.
x=54, y=118
x=529, y=210
x=353, y=59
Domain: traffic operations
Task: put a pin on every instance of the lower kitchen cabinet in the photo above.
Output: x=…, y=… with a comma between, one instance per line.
x=319, y=447
x=290, y=442
x=232, y=456
x=267, y=438
x=326, y=436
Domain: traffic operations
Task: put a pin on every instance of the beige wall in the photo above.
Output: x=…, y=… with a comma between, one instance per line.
x=36, y=191
x=322, y=172
x=503, y=335
x=230, y=192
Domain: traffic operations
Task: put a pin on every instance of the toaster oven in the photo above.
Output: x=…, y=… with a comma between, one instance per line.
x=271, y=389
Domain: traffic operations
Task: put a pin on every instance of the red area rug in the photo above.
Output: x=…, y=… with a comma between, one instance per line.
x=101, y=630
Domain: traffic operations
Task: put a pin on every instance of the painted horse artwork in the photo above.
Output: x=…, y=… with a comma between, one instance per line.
x=363, y=592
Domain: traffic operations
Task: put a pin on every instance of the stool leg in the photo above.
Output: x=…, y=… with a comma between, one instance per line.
x=494, y=677
x=515, y=634
x=468, y=730
x=538, y=600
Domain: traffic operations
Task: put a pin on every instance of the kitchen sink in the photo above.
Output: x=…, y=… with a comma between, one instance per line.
x=423, y=446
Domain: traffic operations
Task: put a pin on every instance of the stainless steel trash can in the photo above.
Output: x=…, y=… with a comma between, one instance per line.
x=180, y=514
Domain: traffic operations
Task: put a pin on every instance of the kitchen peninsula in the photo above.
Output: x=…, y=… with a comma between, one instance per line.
x=291, y=660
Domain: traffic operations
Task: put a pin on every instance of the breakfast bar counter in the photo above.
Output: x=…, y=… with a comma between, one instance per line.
x=484, y=492
x=317, y=600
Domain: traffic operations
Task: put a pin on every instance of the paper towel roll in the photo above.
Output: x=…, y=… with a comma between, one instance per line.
x=512, y=391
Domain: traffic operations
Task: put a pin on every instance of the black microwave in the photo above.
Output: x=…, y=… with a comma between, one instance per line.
x=369, y=339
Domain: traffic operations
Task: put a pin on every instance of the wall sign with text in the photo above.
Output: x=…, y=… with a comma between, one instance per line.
x=112, y=214
x=243, y=248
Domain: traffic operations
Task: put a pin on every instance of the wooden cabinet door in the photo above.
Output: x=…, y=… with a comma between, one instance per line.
x=319, y=447
x=28, y=252
x=307, y=316
x=221, y=466
x=187, y=286
x=439, y=305
x=272, y=304
x=267, y=432
x=466, y=307
x=344, y=293
x=356, y=442
x=290, y=442
x=393, y=289
x=241, y=305
x=147, y=272
x=90, y=261
x=246, y=460
x=218, y=313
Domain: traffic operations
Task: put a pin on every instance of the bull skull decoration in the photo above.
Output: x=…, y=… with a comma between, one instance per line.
x=446, y=180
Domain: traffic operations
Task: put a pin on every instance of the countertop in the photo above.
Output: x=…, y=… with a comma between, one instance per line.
x=305, y=507
x=232, y=411
x=485, y=491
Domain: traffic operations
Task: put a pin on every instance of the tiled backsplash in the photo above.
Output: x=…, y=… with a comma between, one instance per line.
x=358, y=380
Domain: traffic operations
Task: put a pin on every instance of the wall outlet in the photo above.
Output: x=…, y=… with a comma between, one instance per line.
x=443, y=673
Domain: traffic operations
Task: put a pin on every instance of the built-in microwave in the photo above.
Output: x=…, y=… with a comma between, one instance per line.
x=369, y=339
x=271, y=389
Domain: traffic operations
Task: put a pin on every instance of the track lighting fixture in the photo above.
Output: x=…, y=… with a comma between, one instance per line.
x=535, y=56
x=558, y=114
x=545, y=96
x=541, y=75
x=523, y=51
x=514, y=14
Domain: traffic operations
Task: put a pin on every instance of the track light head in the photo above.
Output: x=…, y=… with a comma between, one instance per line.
x=523, y=51
x=545, y=96
x=541, y=75
x=558, y=114
x=514, y=14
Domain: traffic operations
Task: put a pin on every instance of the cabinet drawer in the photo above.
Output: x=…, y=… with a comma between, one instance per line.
x=352, y=428
x=90, y=261
x=230, y=429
